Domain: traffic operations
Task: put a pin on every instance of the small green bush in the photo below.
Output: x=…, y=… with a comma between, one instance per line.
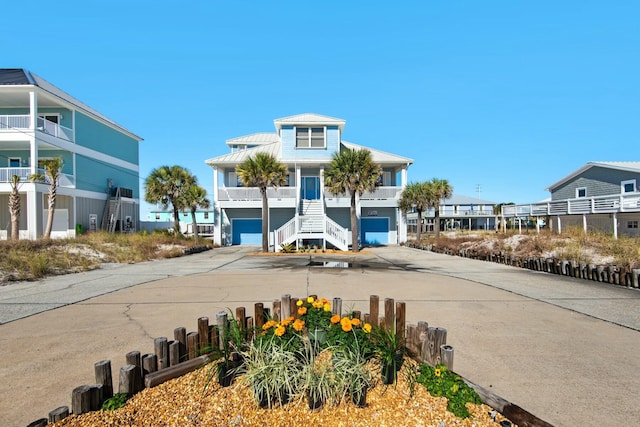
x=116, y=402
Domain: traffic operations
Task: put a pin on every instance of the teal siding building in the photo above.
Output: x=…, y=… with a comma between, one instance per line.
x=99, y=184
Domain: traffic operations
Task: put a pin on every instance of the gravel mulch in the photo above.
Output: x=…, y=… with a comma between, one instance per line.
x=186, y=401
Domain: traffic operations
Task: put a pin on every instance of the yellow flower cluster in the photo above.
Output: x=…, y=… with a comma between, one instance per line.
x=347, y=323
x=280, y=328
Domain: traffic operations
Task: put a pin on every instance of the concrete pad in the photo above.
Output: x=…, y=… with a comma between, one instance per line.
x=543, y=342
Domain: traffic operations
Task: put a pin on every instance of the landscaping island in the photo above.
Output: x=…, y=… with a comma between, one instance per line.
x=193, y=400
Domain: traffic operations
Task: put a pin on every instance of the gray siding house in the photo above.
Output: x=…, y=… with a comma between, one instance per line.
x=599, y=196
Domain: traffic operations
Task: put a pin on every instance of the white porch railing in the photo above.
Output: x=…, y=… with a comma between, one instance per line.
x=253, y=193
x=54, y=129
x=23, y=121
x=330, y=231
x=338, y=236
x=6, y=175
x=382, y=193
x=286, y=234
x=584, y=205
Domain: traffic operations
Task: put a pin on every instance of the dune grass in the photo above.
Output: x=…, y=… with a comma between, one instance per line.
x=34, y=259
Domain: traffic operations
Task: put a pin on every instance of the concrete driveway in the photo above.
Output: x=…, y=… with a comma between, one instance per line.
x=564, y=349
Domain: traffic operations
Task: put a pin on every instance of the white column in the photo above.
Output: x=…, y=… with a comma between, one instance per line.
x=559, y=225
x=402, y=226
x=403, y=177
x=33, y=115
x=584, y=223
x=615, y=225
x=217, y=214
x=33, y=212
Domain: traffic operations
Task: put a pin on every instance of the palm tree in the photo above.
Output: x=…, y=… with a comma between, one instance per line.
x=195, y=197
x=14, y=207
x=52, y=170
x=438, y=190
x=415, y=195
x=263, y=171
x=352, y=172
x=166, y=185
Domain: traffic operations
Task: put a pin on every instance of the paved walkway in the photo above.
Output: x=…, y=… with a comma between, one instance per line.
x=564, y=349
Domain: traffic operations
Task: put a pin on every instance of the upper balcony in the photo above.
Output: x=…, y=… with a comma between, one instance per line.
x=629, y=202
x=22, y=123
x=6, y=174
x=287, y=196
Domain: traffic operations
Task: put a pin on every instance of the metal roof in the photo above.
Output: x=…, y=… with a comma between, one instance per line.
x=21, y=77
x=255, y=138
x=274, y=149
x=457, y=199
x=310, y=119
x=379, y=156
x=624, y=166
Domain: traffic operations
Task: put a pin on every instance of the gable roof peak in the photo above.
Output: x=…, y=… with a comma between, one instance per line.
x=309, y=119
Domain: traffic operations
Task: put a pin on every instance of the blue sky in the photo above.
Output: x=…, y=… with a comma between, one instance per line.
x=508, y=95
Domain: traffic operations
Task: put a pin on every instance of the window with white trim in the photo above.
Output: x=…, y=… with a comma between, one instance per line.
x=307, y=137
x=581, y=192
x=632, y=224
x=628, y=186
x=15, y=162
x=206, y=215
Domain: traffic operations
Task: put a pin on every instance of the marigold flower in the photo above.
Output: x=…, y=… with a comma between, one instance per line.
x=317, y=304
x=269, y=324
x=346, y=326
x=327, y=306
x=366, y=328
x=324, y=300
x=302, y=311
x=299, y=303
x=310, y=300
x=298, y=325
x=345, y=320
x=335, y=318
x=355, y=322
x=280, y=330
x=288, y=320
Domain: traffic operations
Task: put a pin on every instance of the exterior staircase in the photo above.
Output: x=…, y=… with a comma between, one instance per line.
x=111, y=213
x=311, y=223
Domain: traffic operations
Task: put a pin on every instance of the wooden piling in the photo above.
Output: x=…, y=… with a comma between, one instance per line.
x=103, y=376
x=374, y=307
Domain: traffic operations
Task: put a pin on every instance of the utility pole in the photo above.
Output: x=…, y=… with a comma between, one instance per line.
x=478, y=190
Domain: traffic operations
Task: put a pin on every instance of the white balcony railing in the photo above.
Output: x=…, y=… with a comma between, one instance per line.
x=15, y=122
x=6, y=175
x=382, y=193
x=23, y=121
x=253, y=193
x=584, y=205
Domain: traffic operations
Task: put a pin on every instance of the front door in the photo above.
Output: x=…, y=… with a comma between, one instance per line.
x=310, y=188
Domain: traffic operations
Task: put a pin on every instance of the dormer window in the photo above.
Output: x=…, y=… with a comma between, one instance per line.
x=310, y=137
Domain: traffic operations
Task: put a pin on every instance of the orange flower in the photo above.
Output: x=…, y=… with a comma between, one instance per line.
x=269, y=324
x=302, y=311
x=327, y=306
x=355, y=322
x=286, y=321
x=346, y=326
x=366, y=328
x=280, y=330
x=298, y=325
x=335, y=319
x=317, y=304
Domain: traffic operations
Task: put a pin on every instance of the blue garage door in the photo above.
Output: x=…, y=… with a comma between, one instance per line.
x=246, y=231
x=375, y=231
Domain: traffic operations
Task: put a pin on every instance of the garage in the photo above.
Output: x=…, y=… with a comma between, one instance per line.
x=246, y=231
x=374, y=231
